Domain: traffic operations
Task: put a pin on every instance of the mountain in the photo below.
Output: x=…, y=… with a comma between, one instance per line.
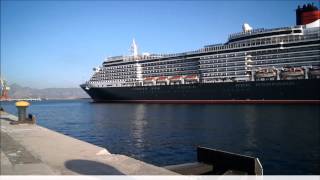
x=17, y=91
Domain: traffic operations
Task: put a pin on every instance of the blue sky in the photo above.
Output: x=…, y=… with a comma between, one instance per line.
x=57, y=43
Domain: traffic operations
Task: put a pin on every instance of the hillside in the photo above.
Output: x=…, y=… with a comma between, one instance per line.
x=18, y=91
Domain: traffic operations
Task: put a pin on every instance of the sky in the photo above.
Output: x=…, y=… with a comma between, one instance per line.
x=46, y=44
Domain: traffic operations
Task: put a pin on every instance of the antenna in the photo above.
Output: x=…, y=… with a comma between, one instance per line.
x=134, y=48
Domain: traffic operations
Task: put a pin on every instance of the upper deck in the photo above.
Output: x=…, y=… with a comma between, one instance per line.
x=236, y=41
x=263, y=33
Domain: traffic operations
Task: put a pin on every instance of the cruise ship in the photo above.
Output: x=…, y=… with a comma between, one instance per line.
x=280, y=65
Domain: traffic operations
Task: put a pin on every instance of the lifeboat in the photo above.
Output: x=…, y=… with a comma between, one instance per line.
x=149, y=80
x=192, y=77
x=176, y=78
x=266, y=73
x=292, y=73
x=162, y=79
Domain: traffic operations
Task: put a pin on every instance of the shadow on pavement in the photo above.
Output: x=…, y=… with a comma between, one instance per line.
x=87, y=167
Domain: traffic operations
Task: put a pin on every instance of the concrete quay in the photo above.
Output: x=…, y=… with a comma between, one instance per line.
x=29, y=149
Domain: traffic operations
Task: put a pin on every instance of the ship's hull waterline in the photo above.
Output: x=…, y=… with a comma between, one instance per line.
x=257, y=92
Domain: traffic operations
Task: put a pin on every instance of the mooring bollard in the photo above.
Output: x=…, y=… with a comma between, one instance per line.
x=22, y=110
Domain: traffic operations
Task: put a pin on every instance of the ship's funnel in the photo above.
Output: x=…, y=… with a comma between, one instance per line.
x=307, y=14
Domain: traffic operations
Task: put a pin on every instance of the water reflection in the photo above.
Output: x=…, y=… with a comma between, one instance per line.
x=250, y=119
x=139, y=122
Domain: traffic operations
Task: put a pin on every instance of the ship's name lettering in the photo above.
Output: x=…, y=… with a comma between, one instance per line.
x=243, y=85
x=275, y=84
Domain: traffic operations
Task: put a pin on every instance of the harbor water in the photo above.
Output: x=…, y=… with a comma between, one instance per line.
x=286, y=138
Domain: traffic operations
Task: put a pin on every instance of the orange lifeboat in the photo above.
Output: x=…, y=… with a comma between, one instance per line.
x=149, y=79
x=176, y=78
x=162, y=79
x=192, y=77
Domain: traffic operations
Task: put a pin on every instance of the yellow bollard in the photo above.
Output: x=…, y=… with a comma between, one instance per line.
x=22, y=110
